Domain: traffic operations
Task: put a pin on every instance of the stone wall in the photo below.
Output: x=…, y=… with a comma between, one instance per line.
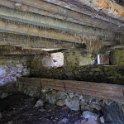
x=117, y=56
x=112, y=112
x=13, y=67
x=107, y=74
x=78, y=57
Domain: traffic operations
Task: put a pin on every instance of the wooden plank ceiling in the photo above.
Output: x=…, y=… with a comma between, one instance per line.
x=74, y=21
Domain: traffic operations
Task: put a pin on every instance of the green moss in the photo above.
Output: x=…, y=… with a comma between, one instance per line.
x=118, y=56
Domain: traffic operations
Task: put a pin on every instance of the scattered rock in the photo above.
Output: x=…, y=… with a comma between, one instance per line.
x=42, y=110
x=43, y=90
x=26, y=72
x=10, y=122
x=2, y=71
x=10, y=71
x=89, y=115
x=80, y=122
x=72, y=103
x=102, y=120
x=113, y=113
x=71, y=95
x=96, y=106
x=61, y=95
x=60, y=103
x=63, y=121
x=85, y=107
x=39, y=103
x=89, y=121
x=51, y=97
x=3, y=95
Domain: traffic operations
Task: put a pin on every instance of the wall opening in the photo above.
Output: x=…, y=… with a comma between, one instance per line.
x=53, y=60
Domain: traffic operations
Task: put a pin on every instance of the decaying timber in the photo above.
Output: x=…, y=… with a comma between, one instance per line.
x=63, y=13
x=106, y=91
x=58, y=22
x=27, y=41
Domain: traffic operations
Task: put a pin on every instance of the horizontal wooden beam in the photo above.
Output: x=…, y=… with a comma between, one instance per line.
x=30, y=30
x=47, y=22
x=9, y=50
x=27, y=41
x=51, y=10
x=36, y=31
x=107, y=5
x=81, y=8
x=101, y=90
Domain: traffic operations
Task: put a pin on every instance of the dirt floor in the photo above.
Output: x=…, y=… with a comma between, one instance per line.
x=19, y=109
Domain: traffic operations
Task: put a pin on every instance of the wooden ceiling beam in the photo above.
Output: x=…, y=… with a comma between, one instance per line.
x=27, y=41
x=10, y=50
x=47, y=22
x=81, y=8
x=36, y=31
x=48, y=9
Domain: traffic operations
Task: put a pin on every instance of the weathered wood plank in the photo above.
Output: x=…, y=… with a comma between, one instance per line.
x=81, y=8
x=55, y=11
x=48, y=22
x=11, y=50
x=36, y=31
x=27, y=41
x=102, y=90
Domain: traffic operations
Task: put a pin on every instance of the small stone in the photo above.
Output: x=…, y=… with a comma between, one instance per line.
x=91, y=121
x=3, y=95
x=61, y=95
x=63, y=121
x=71, y=95
x=44, y=90
x=102, y=120
x=89, y=115
x=60, y=103
x=10, y=122
x=42, y=110
x=80, y=122
x=26, y=72
x=39, y=103
x=85, y=107
x=82, y=99
x=51, y=98
x=73, y=103
x=20, y=70
x=18, y=75
x=2, y=72
x=19, y=65
x=18, y=4
x=96, y=106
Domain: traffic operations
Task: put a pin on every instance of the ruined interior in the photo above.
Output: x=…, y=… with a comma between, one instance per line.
x=61, y=61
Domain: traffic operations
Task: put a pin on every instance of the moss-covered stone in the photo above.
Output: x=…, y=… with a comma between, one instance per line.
x=118, y=56
x=107, y=74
